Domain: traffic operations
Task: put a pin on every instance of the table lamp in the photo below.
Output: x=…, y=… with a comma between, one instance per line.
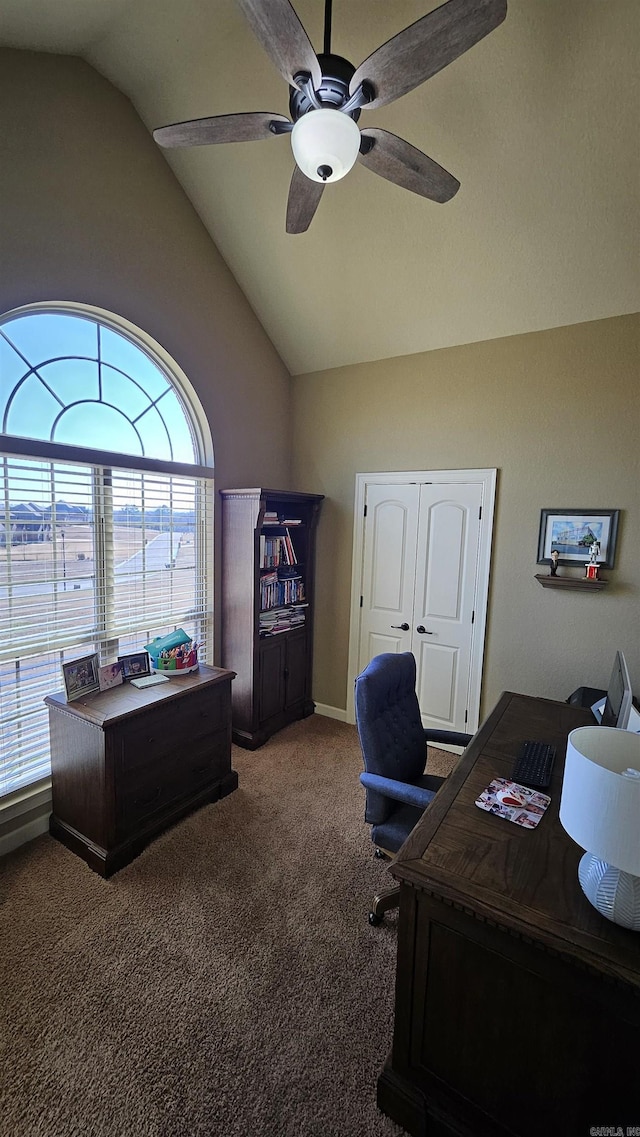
x=600, y=810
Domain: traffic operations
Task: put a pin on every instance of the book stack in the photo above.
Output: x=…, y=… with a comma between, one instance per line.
x=282, y=619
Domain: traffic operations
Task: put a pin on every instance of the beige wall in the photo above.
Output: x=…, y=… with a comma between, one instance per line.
x=558, y=414
x=91, y=212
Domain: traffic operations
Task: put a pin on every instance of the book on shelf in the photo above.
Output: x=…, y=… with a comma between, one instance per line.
x=271, y=520
x=275, y=592
x=282, y=619
x=276, y=551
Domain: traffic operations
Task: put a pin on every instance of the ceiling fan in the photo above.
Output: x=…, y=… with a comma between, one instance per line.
x=327, y=94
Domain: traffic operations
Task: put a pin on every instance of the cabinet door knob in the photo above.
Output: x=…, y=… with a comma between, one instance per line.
x=403, y=627
x=421, y=628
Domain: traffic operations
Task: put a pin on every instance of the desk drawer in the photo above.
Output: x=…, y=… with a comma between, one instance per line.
x=170, y=729
x=155, y=783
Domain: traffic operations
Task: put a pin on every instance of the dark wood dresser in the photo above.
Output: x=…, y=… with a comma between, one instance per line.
x=127, y=763
x=517, y=1004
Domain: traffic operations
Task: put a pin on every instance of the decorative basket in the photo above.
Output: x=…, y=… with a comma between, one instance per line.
x=175, y=653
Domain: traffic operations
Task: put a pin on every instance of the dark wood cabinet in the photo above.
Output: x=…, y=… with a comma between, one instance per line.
x=517, y=1004
x=273, y=666
x=127, y=763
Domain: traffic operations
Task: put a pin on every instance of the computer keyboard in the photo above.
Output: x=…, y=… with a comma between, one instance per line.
x=150, y=680
x=534, y=764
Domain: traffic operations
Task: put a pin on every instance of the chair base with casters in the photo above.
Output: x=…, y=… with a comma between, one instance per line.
x=393, y=742
x=388, y=898
x=383, y=902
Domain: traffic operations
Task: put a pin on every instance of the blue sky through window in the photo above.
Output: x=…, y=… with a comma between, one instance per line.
x=71, y=379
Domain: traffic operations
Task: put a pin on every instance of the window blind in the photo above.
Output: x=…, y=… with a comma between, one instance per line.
x=93, y=558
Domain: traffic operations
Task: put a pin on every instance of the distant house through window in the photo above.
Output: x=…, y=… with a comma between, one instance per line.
x=106, y=503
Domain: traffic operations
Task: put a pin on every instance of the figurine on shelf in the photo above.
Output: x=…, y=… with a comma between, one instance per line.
x=591, y=565
x=555, y=557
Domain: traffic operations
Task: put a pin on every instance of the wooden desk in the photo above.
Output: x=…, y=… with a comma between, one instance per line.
x=517, y=1005
x=129, y=762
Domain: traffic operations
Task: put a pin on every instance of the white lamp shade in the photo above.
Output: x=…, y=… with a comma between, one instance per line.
x=325, y=139
x=600, y=804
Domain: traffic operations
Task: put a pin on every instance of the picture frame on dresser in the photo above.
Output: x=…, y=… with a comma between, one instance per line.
x=135, y=665
x=110, y=676
x=81, y=676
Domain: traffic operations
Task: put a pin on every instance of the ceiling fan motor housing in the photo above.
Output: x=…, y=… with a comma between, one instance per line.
x=325, y=139
x=332, y=92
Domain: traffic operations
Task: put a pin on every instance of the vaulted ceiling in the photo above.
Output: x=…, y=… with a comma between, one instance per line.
x=539, y=122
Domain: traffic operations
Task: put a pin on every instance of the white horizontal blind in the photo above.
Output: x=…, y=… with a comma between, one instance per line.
x=92, y=559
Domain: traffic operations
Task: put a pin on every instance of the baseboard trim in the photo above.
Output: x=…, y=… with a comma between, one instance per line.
x=27, y=832
x=23, y=817
x=331, y=712
x=447, y=746
x=341, y=716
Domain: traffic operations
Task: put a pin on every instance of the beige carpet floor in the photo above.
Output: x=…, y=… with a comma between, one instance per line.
x=226, y=983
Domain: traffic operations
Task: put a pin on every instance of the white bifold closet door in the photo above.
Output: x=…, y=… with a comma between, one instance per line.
x=422, y=543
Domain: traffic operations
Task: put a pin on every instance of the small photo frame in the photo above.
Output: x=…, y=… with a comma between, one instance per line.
x=110, y=676
x=133, y=666
x=572, y=532
x=81, y=676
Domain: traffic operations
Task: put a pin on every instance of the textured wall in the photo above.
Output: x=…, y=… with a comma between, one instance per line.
x=558, y=413
x=91, y=212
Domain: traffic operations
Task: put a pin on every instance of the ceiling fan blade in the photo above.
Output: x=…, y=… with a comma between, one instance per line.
x=221, y=128
x=277, y=27
x=397, y=161
x=304, y=198
x=424, y=48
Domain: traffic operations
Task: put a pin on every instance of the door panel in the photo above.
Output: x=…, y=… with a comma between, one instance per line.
x=448, y=540
x=377, y=643
x=388, y=569
x=445, y=547
x=271, y=677
x=436, y=684
x=295, y=667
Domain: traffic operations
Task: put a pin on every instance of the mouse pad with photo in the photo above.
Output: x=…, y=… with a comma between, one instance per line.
x=513, y=802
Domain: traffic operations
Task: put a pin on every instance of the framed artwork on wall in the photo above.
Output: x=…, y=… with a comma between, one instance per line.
x=572, y=532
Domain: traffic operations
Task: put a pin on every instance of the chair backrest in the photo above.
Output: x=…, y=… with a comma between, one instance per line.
x=389, y=724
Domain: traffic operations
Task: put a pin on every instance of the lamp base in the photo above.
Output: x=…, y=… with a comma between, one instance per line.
x=614, y=893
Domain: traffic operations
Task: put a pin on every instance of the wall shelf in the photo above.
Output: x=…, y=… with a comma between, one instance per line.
x=580, y=584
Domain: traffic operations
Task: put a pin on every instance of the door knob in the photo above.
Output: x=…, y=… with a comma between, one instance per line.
x=403, y=627
x=421, y=628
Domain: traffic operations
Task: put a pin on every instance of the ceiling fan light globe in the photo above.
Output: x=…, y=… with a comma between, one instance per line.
x=325, y=140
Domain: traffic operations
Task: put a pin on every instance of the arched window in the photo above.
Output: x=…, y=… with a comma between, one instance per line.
x=106, y=495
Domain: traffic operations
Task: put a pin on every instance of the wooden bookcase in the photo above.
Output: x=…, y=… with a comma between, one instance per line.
x=273, y=667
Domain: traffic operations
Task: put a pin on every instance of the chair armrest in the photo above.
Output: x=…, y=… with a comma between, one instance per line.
x=453, y=737
x=398, y=791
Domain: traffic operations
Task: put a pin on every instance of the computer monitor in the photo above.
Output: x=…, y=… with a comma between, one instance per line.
x=617, y=705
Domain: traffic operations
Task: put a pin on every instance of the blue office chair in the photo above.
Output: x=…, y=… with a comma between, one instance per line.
x=393, y=742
